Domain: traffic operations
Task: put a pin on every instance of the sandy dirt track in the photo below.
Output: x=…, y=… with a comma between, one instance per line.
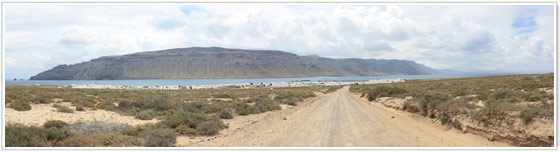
x=338, y=119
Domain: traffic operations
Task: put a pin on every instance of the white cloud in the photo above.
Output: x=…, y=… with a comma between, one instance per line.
x=465, y=38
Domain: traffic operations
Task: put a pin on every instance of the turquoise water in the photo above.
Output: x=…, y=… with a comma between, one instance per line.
x=188, y=82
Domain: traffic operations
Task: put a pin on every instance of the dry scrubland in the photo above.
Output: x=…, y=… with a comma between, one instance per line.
x=161, y=115
x=517, y=109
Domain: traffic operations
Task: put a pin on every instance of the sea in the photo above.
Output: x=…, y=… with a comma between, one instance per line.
x=194, y=82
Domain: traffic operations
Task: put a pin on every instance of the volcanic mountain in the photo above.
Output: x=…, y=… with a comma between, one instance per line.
x=216, y=62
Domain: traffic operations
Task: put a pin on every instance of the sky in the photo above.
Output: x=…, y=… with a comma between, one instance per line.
x=516, y=38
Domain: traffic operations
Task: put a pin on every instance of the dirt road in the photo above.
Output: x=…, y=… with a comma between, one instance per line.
x=338, y=119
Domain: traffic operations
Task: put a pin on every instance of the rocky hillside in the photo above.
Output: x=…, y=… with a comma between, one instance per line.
x=215, y=62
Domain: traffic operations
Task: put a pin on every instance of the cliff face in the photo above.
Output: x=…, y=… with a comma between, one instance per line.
x=215, y=62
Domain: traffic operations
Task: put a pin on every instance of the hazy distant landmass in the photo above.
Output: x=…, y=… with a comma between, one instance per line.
x=216, y=62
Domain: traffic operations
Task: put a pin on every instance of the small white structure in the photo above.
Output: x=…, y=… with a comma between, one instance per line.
x=97, y=86
x=240, y=85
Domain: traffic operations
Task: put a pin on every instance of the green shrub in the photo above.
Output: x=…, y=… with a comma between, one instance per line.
x=55, y=123
x=116, y=140
x=79, y=140
x=159, y=138
x=226, y=115
x=528, y=113
x=64, y=109
x=57, y=134
x=136, y=130
x=209, y=108
x=383, y=91
x=292, y=103
x=245, y=109
x=184, y=118
x=18, y=135
x=267, y=105
x=185, y=130
x=207, y=128
x=536, y=96
x=145, y=115
x=493, y=110
x=432, y=100
x=42, y=99
x=501, y=94
x=455, y=107
x=84, y=102
x=20, y=106
x=105, y=105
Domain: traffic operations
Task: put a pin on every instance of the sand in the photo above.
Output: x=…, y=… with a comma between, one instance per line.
x=41, y=113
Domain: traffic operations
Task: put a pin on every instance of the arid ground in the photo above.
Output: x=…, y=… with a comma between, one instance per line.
x=338, y=119
x=495, y=111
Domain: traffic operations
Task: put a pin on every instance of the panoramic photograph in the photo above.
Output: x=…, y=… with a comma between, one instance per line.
x=278, y=75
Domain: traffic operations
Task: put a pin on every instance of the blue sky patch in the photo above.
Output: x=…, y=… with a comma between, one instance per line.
x=187, y=10
x=524, y=22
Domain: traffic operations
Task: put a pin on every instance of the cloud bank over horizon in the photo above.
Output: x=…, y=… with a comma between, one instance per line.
x=463, y=38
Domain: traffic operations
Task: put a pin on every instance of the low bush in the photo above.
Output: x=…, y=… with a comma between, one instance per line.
x=225, y=115
x=79, y=140
x=185, y=130
x=84, y=102
x=64, y=109
x=158, y=138
x=209, y=108
x=55, y=123
x=18, y=135
x=528, y=113
x=430, y=101
x=42, y=99
x=20, y=106
x=105, y=105
x=493, y=110
x=537, y=96
x=455, y=107
x=184, y=118
x=116, y=140
x=383, y=91
x=136, y=130
x=57, y=134
x=245, y=109
x=95, y=127
x=267, y=105
x=207, y=128
x=291, y=103
x=145, y=115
